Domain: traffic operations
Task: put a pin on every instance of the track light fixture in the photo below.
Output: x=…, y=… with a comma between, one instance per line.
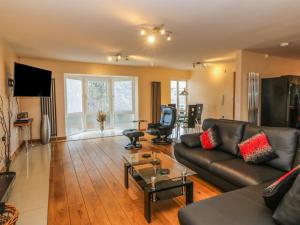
x=199, y=64
x=117, y=57
x=152, y=33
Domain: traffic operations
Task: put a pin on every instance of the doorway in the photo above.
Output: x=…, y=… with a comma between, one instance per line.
x=86, y=95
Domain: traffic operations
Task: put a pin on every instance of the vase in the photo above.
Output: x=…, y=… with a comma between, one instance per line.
x=45, y=131
x=101, y=127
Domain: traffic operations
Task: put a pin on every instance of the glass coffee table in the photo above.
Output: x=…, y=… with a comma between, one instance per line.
x=160, y=177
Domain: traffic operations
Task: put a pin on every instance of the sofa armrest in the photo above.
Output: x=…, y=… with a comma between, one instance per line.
x=191, y=140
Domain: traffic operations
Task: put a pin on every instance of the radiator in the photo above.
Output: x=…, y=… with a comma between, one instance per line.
x=48, y=106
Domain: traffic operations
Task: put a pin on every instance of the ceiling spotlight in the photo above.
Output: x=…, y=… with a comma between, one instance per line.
x=152, y=33
x=151, y=39
x=143, y=32
x=117, y=57
x=199, y=63
x=284, y=44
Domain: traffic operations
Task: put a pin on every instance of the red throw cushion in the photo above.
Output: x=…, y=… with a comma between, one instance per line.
x=210, y=138
x=257, y=149
x=275, y=192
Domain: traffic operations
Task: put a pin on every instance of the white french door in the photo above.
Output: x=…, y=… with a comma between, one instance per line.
x=86, y=96
x=96, y=98
x=123, y=102
x=74, y=106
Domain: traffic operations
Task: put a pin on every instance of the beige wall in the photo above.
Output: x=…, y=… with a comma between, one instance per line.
x=7, y=59
x=208, y=85
x=266, y=67
x=59, y=68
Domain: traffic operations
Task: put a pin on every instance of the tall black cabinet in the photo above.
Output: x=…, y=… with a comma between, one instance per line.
x=280, y=101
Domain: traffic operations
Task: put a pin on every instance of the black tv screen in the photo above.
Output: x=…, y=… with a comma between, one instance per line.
x=31, y=81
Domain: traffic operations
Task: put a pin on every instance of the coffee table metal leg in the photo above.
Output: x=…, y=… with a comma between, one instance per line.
x=189, y=194
x=126, y=168
x=147, y=204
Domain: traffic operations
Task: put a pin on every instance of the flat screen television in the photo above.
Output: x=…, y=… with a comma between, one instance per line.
x=31, y=81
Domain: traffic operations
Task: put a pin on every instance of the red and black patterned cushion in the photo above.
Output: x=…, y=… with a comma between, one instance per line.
x=275, y=192
x=210, y=138
x=257, y=149
x=288, y=210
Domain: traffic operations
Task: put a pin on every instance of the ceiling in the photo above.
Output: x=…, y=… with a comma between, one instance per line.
x=90, y=30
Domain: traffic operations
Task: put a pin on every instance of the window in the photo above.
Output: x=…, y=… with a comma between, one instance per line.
x=123, y=101
x=74, y=106
x=86, y=95
x=177, y=86
x=74, y=93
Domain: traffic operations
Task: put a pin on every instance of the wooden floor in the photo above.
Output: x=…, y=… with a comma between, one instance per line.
x=86, y=186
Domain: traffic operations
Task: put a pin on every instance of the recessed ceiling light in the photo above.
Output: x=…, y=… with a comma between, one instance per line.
x=284, y=44
x=162, y=31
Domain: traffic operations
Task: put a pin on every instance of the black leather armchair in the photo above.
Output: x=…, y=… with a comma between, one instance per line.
x=163, y=129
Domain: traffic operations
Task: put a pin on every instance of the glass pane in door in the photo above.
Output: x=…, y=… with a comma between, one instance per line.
x=97, y=100
x=124, y=114
x=74, y=106
x=174, y=92
x=123, y=96
x=182, y=98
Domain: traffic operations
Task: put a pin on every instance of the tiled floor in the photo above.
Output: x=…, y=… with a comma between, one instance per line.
x=31, y=188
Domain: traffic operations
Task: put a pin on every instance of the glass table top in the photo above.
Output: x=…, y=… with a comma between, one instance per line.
x=158, y=166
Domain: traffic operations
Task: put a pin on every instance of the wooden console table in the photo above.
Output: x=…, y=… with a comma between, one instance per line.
x=27, y=128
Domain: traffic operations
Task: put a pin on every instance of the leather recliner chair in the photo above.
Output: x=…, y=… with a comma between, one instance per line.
x=163, y=129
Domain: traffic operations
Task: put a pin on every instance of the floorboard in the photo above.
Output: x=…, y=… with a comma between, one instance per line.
x=86, y=186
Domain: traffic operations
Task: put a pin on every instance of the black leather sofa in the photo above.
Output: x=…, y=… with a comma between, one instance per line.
x=225, y=168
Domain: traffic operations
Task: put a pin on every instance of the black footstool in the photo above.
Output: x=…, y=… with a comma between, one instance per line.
x=133, y=135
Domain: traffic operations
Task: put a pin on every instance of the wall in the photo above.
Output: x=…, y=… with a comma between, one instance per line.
x=59, y=68
x=7, y=59
x=267, y=67
x=208, y=84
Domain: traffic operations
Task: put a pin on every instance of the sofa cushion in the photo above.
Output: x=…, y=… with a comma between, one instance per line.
x=191, y=140
x=242, y=174
x=275, y=192
x=288, y=210
x=241, y=207
x=283, y=141
x=199, y=156
x=257, y=149
x=230, y=133
x=210, y=138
